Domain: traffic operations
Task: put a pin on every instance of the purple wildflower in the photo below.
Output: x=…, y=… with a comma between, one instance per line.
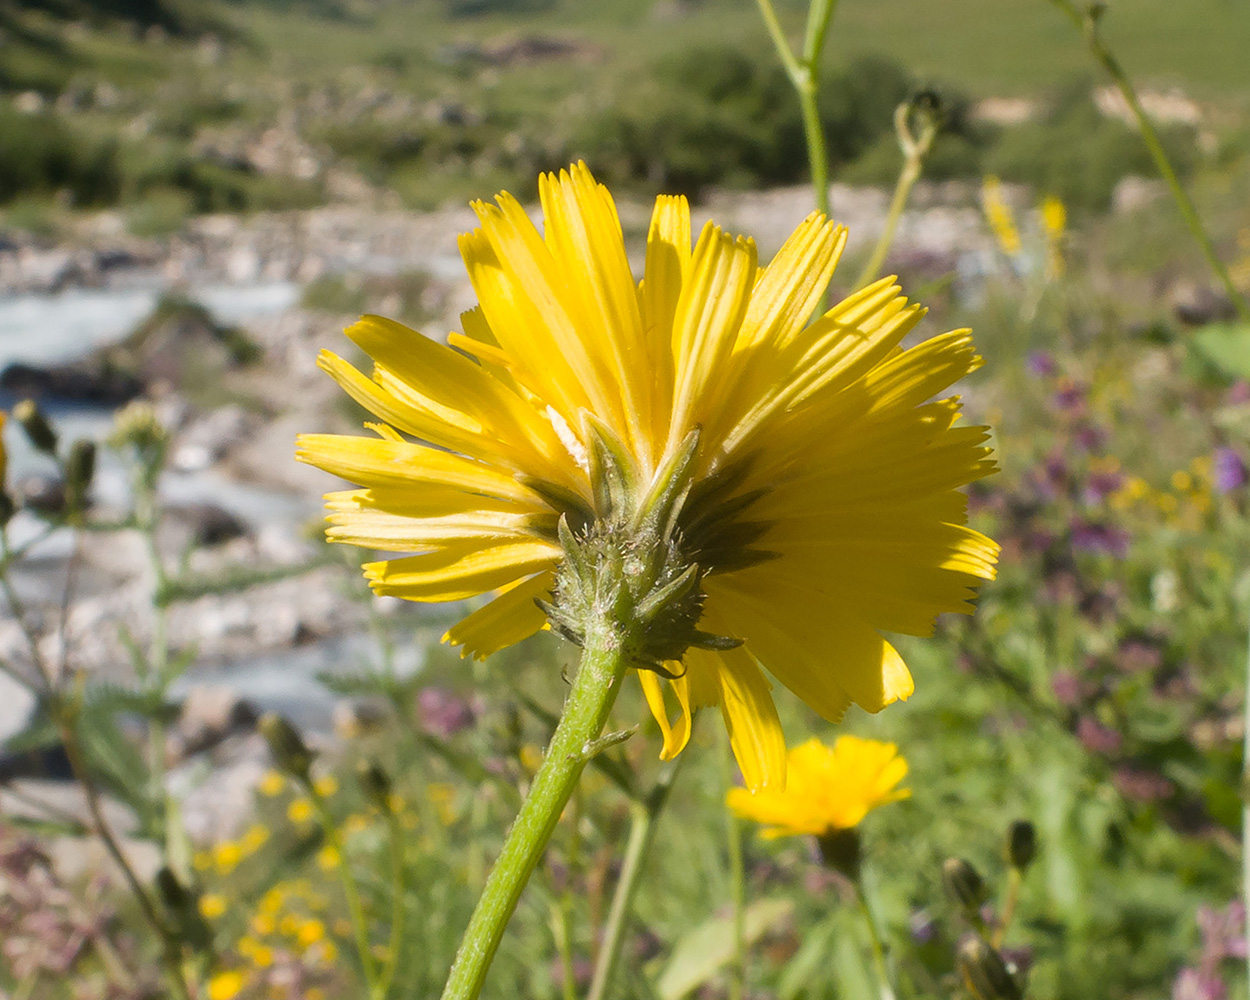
x=1100, y=538
x=1040, y=364
x=1098, y=738
x=1228, y=471
x=443, y=712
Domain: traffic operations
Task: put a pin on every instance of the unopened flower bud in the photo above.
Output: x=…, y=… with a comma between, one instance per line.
x=1021, y=844
x=376, y=784
x=183, y=907
x=984, y=972
x=173, y=893
x=79, y=471
x=36, y=426
x=840, y=850
x=289, y=750
x=964, y=885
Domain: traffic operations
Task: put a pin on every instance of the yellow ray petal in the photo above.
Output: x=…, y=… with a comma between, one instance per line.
x=750, y=716
x=666, y=270
x=509, y=618
x=781, y=302
x=371, y=528
x=588, y=257
x=525, y=302
x=462, y=569
x=676, y=735
x=809, y=672
x=377, y=463
x=431, y=378
x=705, y=326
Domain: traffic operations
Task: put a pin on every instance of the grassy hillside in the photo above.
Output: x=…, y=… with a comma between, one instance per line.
x=167, y=102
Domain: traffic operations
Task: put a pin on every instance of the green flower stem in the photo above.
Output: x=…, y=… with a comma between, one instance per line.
x=355, y=910
x=805, y=76
x=642, y=829
x=574, y=743
x=395, y=835
x=1014, y=880
x=875, y=942
x=737, y=882
x=1088, y=22
x=915, y=149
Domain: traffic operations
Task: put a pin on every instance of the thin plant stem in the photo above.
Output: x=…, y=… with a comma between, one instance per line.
x=737, y=883
x=1014, y=880
x=875, y=942
x=915, y=149
x=170, y=950
x=398, y=910
x=1088, y=22
x=575, y=741
x=355, y=910
x=804, y=74
x=564, y=904
x=564, y=946
x=643, y=823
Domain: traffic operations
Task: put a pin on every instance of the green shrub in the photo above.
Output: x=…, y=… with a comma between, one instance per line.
x=42, y=155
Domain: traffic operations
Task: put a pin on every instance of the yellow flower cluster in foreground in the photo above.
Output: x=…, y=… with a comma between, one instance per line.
x=824, y=506
x=827, y=788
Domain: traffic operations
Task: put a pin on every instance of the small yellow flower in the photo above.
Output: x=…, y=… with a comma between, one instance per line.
x=827, y=788
x=212, y=906
x=254, y=839
x=271, y=784
x=329, y=858
x=1182, y=480
x=325, y=786
x=443, y=798
x=314, y=993
x=310, y=932
x=262, y=956
x=1054, y=224
x=226, y=856
x=226, y=985
x=354, y=824
x=531, y=757
x=272, y=901
x=300, y=811
x=262, y=924
x=1054, y=215
x=1000, y=217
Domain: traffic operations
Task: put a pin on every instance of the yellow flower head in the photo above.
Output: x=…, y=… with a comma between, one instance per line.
x=212, y=905
x=1000, y=217
x=827, y=788
x=300, y=811
x=807, y=475
x=226, y=985
x=271, y=784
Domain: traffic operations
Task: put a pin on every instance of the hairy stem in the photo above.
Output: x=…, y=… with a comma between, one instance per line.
x=573, y=744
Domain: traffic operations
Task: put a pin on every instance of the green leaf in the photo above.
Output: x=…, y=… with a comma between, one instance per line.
x=703, y=951
x=1226, y=347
